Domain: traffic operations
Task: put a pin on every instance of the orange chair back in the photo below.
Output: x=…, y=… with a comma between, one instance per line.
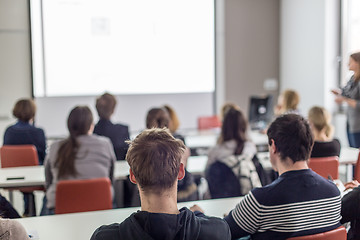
x=325, y=166
x=357, y=169
x=208, y=122
x=83, y=195
x=18, y=156
x=336, y=234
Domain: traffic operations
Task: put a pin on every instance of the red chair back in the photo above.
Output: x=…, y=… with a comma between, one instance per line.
x=336, y=234
x=83, y=195
x=208, y=122
x=325, y=166
x=357, y=169
x=18, y=156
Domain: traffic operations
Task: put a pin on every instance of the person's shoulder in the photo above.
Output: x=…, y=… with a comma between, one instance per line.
x=99, y=139
x=121, y=127
x=212, y=227
x=107, y=232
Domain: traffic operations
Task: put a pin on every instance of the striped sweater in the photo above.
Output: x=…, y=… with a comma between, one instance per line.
x=298, y=203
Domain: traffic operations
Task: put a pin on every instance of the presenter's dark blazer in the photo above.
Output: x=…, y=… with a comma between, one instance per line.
x=117, y=133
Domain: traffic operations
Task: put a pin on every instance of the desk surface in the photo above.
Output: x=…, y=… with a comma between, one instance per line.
x=79, y=226
x=209, y=138
x=35, y=176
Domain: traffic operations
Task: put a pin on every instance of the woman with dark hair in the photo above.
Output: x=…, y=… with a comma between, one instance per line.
x=24, y=132
x=350, y=94
x=118, y=133
x=232, y=167
x=233, y=137
x=81, y=156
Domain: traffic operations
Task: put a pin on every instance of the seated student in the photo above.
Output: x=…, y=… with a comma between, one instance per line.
x=81, y=156
x=154, y=157
x=12, y=230
x=118, y=133
x=236, y=151
x=288, y=102
x=320, y=123
x=160, y=118
x=350, y=210
x=24, y=132
x=6, y=209
x=174, y=122
x=299, y=202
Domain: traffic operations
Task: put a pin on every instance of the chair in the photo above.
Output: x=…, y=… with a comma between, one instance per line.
x=336, y=234
x=357, y=169
x=222, y=181
x=208, y=122
x=20, y=156
x=325, y=166
x=83, y=195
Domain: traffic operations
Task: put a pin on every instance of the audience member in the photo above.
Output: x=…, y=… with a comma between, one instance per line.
x=237, y=153
x=155, y=167
x=24, y=132
x=174, y=119
x=299, y=202
x=187, y=189
x=350, y=210
x=12, y=230
x=350, y=94
x=320, y=123
x=81, y=156
x=118, y=133
x=6, y=209
x=288, y=102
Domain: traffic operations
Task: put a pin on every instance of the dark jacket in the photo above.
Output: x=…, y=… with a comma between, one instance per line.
x=117, y=133
x=148, y=226
x=24, y=133
x=350, y=212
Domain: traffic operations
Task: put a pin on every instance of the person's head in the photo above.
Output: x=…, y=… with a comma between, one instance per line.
x=234, y=127
x=154, y=158
x=157, y=118
x=354, y=64
x=105, y=105
x=290, y=100
x=226, y=107
x=320, y=120
x=174, y=120
x=80, y=121
x=24, y=110
x=291, y=135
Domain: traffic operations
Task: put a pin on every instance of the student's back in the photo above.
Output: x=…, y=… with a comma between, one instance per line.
x=183, y=226
x=155, y=166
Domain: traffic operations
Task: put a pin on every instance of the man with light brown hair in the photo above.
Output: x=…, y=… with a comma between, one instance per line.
x=155, y=167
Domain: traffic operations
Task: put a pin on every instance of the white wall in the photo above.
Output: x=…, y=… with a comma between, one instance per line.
x=131, y=109
x=309, y=48
x=15, y=69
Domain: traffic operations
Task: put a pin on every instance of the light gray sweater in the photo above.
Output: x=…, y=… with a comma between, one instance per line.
x=352, y=90
x=95, y=159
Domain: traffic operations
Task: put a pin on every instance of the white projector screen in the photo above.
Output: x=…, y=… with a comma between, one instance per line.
x=87, y=47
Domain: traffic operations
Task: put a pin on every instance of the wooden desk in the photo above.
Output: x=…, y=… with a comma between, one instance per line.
x=79, y=226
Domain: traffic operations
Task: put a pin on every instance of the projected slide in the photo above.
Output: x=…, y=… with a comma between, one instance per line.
x=86, y=47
